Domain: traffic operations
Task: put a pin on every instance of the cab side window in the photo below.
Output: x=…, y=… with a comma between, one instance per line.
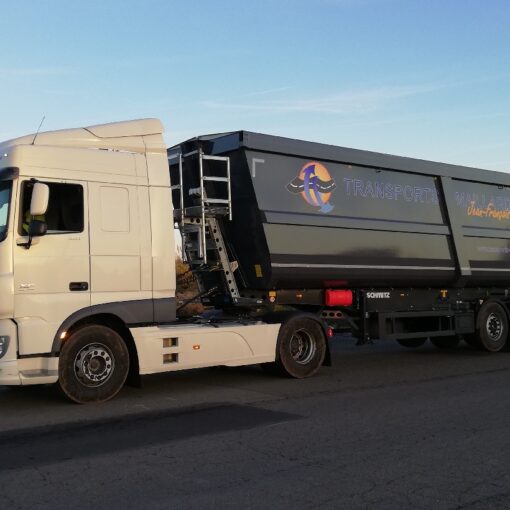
x=65, y=208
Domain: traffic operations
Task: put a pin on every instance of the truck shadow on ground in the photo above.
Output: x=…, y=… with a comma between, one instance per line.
x=59, y=443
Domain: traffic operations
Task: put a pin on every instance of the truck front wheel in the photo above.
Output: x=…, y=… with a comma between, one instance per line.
x=301, y=348
x=93, y=364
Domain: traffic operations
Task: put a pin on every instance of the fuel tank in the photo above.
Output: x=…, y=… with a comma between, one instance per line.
x=309, y=215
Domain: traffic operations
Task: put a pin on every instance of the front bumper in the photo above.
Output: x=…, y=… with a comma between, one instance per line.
x=25, y=371
x=28, y=371
x=9, y=373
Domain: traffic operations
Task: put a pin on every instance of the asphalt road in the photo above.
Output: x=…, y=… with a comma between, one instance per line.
x=385, y=427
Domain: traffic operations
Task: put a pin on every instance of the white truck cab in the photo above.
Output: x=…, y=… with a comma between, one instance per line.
x=87, y=267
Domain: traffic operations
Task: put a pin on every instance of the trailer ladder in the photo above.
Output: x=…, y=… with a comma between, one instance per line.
x=198, y=217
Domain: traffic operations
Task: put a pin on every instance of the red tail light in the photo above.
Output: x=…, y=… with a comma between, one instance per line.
x=338, y=297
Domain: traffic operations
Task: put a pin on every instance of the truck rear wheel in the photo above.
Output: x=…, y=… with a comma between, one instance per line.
x=93, y=364
x=301, y=348
x=492, y=327
x=445, y=342
x=412, y=342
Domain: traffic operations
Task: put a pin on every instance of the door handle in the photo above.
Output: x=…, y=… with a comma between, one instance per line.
x=77, y=286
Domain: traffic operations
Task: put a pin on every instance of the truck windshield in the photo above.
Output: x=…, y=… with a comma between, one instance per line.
x=5, y=198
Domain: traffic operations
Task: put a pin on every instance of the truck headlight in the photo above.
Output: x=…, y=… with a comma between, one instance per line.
x=4, y=345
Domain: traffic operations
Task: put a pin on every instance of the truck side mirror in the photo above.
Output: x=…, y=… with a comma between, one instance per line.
x=40, y=197
x=37, y=228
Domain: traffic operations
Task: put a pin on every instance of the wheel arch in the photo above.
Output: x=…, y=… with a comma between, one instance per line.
x=106, y=319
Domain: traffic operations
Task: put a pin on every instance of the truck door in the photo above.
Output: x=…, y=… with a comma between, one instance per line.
x=52, y=277
x=120, y=251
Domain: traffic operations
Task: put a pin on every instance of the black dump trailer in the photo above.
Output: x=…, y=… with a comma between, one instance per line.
x=394, y=247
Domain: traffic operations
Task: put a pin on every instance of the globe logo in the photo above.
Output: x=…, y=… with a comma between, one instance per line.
x=315, y=185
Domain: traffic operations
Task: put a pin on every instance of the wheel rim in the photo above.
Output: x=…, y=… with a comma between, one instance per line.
x=494, y=327
x=302, y=346
x=94, y=365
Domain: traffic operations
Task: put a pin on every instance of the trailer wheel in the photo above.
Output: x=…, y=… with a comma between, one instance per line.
x=492, y=327
x=412, y=343
x=93, y=364
x=445, y=342
x=301, y=348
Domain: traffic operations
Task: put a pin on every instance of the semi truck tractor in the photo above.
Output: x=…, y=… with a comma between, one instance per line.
x=287, y=240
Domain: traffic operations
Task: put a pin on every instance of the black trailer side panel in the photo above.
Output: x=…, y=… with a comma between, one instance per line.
x=481, y=212
x=345, y=236
x=307, y=215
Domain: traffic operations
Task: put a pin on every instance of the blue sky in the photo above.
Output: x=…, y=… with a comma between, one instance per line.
x=423, y=78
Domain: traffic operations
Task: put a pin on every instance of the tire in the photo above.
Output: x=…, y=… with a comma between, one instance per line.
x=412, y=343
x=492, y=327
x=300, y=349
x=445, y=342
x=93, y=364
